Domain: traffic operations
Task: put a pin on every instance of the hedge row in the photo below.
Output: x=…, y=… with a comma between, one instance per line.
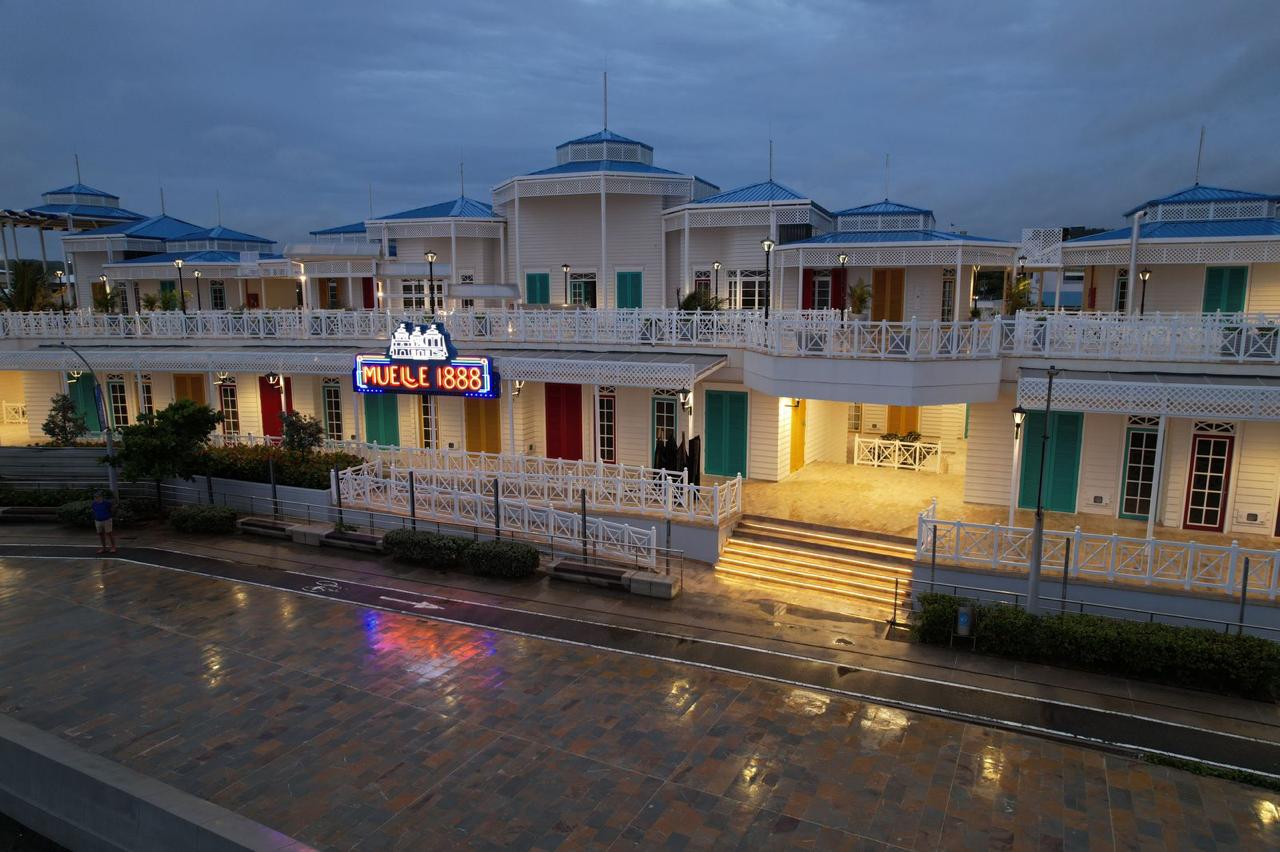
x=42, y=496
x=127, y=511
x=509, y=560
x=1190, y=657
x=251, y=464
x=210, y=520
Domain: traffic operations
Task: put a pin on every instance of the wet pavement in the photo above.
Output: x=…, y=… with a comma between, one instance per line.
x=344, y=725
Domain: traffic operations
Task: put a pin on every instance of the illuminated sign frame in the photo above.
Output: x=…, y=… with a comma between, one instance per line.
x=423, y=360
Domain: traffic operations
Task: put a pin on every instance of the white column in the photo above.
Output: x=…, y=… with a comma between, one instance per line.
x=774, y=284
x=1057, y=290
x=351, y=294
x=684, y=270
x=357, y=399
x=603, y=276
x=1013, y=476
x=242, y=291
x=213, y=391
x=502, y=254
x=518, y=272
x=595, y=423
x=1157, y=505
x=1135, y=232
x=799, y=281
x=511, y=419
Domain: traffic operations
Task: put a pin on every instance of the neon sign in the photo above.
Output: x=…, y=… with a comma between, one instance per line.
x=424, y=361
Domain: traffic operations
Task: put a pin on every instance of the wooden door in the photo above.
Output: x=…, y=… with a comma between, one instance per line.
x=1208, y=482
x=839, y=288
x=274, y=401
x=1061, y=460
x=252, y=300
x=887, y=294
x=564, y=421
x=484, y=429
x=725, y=433
x=190, y=386
x=902, y=419
x=798, y=422
x=806, y=292
x=85, y=400
x=382, y=419
x=1224, y=289
x=368, y=294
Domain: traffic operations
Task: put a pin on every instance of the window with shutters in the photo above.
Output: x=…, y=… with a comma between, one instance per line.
x=229, y=404
x=145, y=404
x=430, y=436
x=117, y=401
x=217, y=295
x=607, y=417
x=537, y=288
x=331, y=392
x=948, y=294
x=1122, y=289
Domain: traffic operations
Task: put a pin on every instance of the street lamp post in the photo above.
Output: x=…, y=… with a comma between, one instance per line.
x=715, y=270
x=564, y=267
x=1037, y=530
x=106, y=288
x=182, y=291
x=767, y=244
x=843, y=259
x=199, y=304
x=431, y=280
x=62, y=290
x=1144, y=275
x=102, y=419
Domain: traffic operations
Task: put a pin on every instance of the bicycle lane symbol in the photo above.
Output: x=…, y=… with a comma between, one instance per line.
x=323, y=587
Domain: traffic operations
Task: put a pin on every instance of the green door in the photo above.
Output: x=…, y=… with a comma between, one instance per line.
x=1224, y=288
x=81, y=392
x=537, y=288
x=630, y=289
x=725, y=433
x=381, y=419
x=1062, y=460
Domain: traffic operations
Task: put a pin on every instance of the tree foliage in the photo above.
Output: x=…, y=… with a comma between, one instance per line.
x=28, y=289
x=701, y=300
x=302, y=433
x=64, y=425
x=168, y=443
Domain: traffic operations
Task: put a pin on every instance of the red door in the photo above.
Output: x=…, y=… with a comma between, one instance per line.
x=366, y=286
x=564, y=421
x=806, y=294
x=839, y=279
x=274, y=403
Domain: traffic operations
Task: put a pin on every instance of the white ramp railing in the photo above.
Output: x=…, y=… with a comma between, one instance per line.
x=1187, y=565
x=367, y=486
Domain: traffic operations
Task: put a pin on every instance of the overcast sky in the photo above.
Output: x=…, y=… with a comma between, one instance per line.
x=997, y=115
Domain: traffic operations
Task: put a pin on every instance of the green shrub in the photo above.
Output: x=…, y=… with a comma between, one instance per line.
x=426, y=549
x=128, y=511
x=297, y=469
x=42, y=496
x=509, y=560
x=214, y=520
x=1190, y=657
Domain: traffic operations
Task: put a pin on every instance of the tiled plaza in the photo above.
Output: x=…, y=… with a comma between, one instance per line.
x=348, y=727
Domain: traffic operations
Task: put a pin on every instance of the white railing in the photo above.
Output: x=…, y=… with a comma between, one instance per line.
x=13, y=412
x=1244, y=338
x=907, y=455
x=389, y=490
x=609, y=487
x=1185, y=565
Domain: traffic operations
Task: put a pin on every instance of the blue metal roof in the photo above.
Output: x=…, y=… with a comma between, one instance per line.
x=883, y=207
x=195, y=257
x=916, y=236
x=154, y=228
x=81, y=189
x=765, y=191
x=353, y=228
x=459, y=208
x=221, y=233
x=605, y=166
x=603, y=136
x=1212, y=229
x=88, y=211
x=1204, y=193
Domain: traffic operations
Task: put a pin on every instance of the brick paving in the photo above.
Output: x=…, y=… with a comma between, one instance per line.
x=352, y=728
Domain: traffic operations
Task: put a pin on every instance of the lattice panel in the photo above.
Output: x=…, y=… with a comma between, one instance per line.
x=618, y=373
x=148, y=272
x=1158, y=252
x=1138, y=398
x=587, y=151
x=647, y=186
x=1042, y=246
x=896, y=222
x=542, y=187
x=341, y=268
x=748, y=216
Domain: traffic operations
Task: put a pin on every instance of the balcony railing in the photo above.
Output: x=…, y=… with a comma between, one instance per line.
x=1241, y=338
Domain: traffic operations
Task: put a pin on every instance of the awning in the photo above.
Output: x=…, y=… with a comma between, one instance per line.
x=1200, y=395
x=620, y=369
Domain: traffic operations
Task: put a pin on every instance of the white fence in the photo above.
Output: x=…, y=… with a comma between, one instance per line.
x=369, y=486
x=907, y=455
x=609, y=487
x=13, y=412
x=1244, y=338
x=1186, y=565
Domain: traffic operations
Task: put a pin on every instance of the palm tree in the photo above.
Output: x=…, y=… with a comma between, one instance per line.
x=28, y=288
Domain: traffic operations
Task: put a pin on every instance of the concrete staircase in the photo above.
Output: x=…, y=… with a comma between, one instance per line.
x=855, y=566
x=54, y=466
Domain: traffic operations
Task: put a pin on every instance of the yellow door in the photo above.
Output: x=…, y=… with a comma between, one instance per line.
x=903, y=419
x=484, y=430
x=797, y=435
x=189, y=386
x=887, y=294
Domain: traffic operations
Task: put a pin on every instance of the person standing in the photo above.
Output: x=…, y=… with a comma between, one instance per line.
x=102, y=512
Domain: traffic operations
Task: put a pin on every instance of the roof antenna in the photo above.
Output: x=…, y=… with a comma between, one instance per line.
x=1199, y=154
x=606, y=99
x=77, y=156
x=217, y=196
x=162, y=213
x=462, y=179
x=771, y=161
x=886, y=177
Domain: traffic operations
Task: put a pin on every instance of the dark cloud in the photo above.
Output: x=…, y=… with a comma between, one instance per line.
x=999, y=115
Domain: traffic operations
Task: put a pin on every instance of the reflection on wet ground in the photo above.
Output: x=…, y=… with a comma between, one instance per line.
x=341, y=725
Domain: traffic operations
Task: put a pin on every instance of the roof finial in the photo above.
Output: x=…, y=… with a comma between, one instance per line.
x=77, y=156
x=162, y=213
x=886, y=177
x=771, y=160
x=462, y=179
x=217, y=197
x=1199, y=154
x=606, y=99
x=370, y=199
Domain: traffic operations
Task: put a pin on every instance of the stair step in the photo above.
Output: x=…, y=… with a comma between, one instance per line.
x=825, y=580
x=858, y=558
x=816, y=562
x=829, y=540
x=881, y=602
x=848, y=532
